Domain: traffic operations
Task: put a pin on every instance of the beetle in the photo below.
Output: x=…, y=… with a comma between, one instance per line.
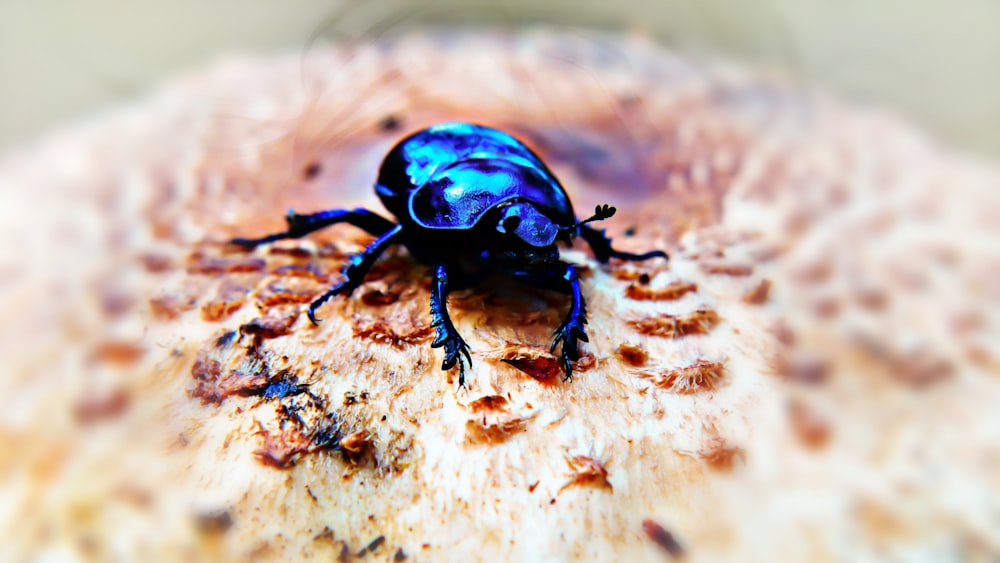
x=470, y=201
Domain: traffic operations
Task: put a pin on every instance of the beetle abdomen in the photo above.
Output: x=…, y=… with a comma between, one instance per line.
x=459, y=195
x=419, y=158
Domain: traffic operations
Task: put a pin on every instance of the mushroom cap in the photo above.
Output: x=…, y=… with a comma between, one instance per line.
x=814, y=374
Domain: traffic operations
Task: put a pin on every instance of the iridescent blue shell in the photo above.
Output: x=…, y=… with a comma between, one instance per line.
x=450, y=175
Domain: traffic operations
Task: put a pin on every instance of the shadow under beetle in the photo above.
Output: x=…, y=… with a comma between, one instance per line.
x=470, y=201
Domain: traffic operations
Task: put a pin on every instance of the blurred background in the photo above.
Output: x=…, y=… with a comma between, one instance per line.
x=935, y=61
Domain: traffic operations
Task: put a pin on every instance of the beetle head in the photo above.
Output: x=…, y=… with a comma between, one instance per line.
x=526, y=236
x=529, y=236
x=524, y=221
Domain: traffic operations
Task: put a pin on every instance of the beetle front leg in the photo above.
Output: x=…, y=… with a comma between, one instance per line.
x=300, y=225
x=356, y=269
x=600, y=243
x=572, y=330
x=455, y=348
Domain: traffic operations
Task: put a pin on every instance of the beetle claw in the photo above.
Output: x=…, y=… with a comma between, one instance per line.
x=456, y=351
x=568, y=336
x=312, y=316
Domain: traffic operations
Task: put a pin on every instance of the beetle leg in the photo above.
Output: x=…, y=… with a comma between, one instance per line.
x=572, y=330
x=356, y=269
x=301, y=225
x=601, y=245
x=455, y=348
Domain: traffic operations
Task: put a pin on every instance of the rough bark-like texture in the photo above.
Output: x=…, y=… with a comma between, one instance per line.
x=814, y=376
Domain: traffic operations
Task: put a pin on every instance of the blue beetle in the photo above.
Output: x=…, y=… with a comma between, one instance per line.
x=470, y=201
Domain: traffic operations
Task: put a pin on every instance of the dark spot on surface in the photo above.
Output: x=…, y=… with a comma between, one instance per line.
x=727, y=269
x=272, y=325
x=115, y=302
x=354, y=445
x=552, y=500
x=281, y=388
x=813, y=273
x=389, y=123
x=293, y=251
x=811, y=428
x=308, y=270
x=488, y=403
x=630, y=232
x=228, y=299
x=399, y=326
x=644, y=278
x=720, y=455
x=377, y=297
x=214, y=522
x=305, y=427
x=920, y=368
x=759, y=294
x=541, y=365
x=290, y=290
x=312, y=170
x=804, y=369
x=171, y=305
x=826, y=307
x=662, y=538
x=633, y=355
x=372, y=546
x=225, y=339
x=871, y=298
x=626, y=274
x=98, y=406
x=351, y=398
x=533, y=486
x=399, y=555
x=221, y=372
x=155, y=263
x=117, y=352
x=205, y=265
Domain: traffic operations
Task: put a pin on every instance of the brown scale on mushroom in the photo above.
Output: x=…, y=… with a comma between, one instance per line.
x=633, y=354
x=539, y=363
x=229, y=298
x=587, y=471
x=699, y=377
x=701, y=321
x=758, y=295
x=492, y=421
x=670, y=292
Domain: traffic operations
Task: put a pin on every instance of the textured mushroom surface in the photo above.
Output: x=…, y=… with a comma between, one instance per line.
x=814, y=376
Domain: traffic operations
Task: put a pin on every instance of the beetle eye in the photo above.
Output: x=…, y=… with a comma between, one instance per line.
x=509, y=224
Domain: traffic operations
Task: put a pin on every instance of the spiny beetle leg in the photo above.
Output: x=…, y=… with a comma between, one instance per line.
x=455, y=348
x=300, y=225
x=356, y=269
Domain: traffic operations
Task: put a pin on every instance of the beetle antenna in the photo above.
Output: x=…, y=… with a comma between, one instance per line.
x=601, y=212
